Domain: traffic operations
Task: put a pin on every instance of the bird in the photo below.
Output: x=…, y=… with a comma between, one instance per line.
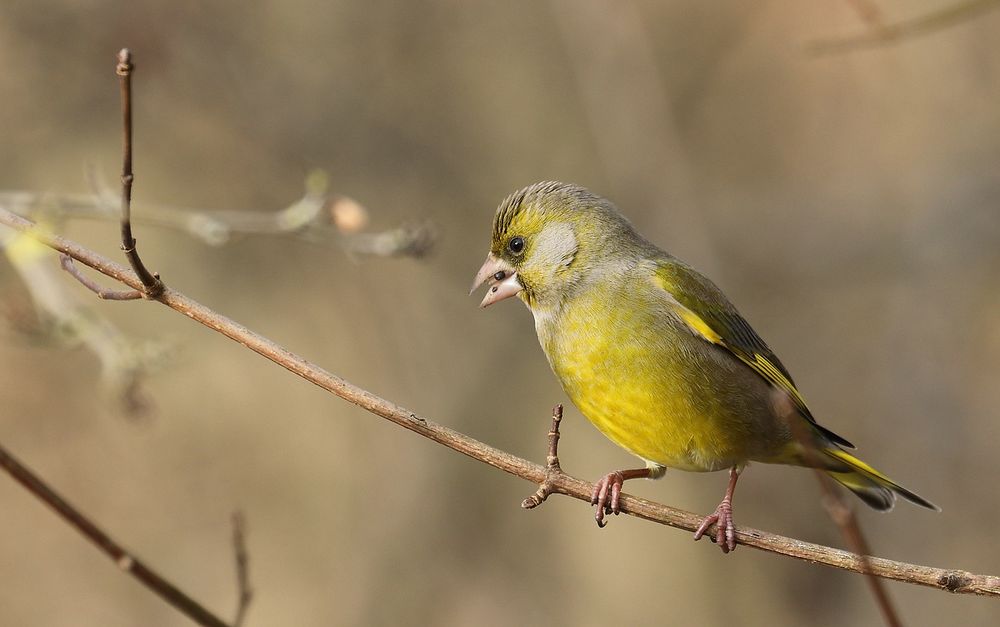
x=655, y=356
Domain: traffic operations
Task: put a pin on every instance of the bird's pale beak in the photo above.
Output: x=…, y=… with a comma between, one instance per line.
x=501, y=279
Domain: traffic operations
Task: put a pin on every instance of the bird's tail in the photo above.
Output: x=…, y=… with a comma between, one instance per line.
x=871, y=486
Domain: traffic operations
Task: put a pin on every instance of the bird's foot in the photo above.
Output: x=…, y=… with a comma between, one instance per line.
x=607, y=496
x=725, y=530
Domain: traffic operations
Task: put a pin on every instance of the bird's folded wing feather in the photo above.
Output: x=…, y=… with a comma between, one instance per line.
x=709, y=314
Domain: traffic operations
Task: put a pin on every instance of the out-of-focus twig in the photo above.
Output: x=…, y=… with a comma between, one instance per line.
x=107, y=545
x=844, y=517
x=151, y=284
x=882, y=34
x=243, y=589
x=63, y=319
x=311, y=218
x=940, y=578
x=406, y=241
x=839, y=511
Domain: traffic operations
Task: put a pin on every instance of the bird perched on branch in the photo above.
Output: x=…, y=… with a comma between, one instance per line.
x=655, y=355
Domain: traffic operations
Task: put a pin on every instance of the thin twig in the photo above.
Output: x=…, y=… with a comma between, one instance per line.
x=151, y=284
x=103, y=293
x=122, y=558
x=952, y=580
x=552, y=465
x=243, y=588
x=885, y=34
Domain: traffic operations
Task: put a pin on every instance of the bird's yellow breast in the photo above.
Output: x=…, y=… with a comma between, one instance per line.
x=634, y=372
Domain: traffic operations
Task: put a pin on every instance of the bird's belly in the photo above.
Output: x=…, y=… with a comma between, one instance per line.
x=675, y=407
x=670, y=431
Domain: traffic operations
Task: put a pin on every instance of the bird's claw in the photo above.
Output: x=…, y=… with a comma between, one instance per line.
x=725, y=530
x=607, y=496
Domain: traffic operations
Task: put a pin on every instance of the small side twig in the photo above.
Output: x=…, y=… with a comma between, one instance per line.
x=243, y=588
x=122, y=558
x=152, y=286
x=552, y=466
x=102, y=292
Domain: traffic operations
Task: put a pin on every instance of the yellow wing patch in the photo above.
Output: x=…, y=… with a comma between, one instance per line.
x=775, y=376
x=759, y=363
x=699, y=326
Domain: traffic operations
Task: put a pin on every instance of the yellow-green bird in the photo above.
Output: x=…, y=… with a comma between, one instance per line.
x=655, y=355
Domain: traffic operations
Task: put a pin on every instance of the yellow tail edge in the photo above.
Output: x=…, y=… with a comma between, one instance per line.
x=875, y=489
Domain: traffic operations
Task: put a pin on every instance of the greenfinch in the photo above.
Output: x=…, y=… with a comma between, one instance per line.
x=655, y=355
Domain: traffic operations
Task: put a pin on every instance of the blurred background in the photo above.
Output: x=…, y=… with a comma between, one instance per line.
x=846, y=201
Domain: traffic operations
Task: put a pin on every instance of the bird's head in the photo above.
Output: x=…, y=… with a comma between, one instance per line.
x=547, y=239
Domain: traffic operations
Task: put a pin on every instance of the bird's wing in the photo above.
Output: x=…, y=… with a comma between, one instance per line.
x=709, y=314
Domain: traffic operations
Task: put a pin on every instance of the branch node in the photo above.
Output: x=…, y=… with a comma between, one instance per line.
x=954, y=581
x=544, y=490
x=124, y=67
x=125, y=562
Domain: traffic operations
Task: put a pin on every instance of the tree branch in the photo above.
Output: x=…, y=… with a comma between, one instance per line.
x=122, y=558
x=941, y=578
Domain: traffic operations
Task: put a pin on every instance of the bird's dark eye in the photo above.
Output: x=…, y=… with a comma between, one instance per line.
x=516, y=245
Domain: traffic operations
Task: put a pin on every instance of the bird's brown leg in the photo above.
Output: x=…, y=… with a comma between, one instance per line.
x=608, y=491
x=725, y=530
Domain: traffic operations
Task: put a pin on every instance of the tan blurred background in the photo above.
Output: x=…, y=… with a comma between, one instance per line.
x=847, y=203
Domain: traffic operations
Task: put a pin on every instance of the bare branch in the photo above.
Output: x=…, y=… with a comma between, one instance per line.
x=958, y=581
x=121, y=557
x=151, y=284
x=881, y=34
